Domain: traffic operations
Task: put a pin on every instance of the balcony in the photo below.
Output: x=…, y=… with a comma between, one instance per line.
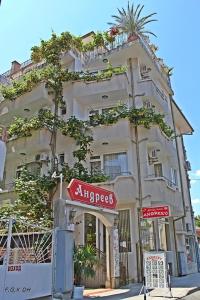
x=115, y=133
x=38, y=142
x=90, y=92
x=121, y=42
x=124, y=186
x=25, y=105
x=151, y=90
x=163, y=192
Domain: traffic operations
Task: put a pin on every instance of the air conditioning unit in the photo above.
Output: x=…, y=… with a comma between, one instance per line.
x=42, y=157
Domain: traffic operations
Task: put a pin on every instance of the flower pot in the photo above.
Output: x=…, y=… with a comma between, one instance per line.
x=78, y=292
x=132, y=37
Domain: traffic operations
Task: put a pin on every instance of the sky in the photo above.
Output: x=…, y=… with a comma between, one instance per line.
x=23, y=23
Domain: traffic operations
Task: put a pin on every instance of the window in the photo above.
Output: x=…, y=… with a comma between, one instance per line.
x=174, y=177
x=99, y=111
x=113, y=165
x=158, y=170
x=61, y=159
x=124, y=231
x=95, y=164
x=63, y=110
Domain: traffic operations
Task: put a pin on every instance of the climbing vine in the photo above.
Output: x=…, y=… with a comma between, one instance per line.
x=34, y=193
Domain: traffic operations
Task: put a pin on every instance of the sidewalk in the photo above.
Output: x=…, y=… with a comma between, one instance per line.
x=181, y=286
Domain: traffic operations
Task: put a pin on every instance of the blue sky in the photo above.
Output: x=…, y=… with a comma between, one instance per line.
x=24, y=22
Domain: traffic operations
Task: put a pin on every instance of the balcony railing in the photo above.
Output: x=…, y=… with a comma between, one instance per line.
x=169, y=183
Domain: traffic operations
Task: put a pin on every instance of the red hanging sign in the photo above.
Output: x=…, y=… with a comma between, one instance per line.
x=90, y=194
x=155, y=212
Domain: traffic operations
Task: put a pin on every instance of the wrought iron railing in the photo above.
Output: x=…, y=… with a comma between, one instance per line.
x=169, y=183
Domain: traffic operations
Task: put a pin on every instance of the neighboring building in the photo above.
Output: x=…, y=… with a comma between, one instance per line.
x=162, y=162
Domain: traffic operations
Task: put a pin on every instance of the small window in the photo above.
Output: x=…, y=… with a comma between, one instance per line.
x=63, y=110
x=174, y=177
x=95, y=167
x=61, y=159
x=158, y=170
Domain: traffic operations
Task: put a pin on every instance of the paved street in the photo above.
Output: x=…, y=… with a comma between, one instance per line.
x=181, y=286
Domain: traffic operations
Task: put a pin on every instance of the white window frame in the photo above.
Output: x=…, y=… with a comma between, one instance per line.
x=101, y=159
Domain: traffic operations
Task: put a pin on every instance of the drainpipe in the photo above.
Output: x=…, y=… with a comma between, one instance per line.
x=181, y=185
x=138, y=168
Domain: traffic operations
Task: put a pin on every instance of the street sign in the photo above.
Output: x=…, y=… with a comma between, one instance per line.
x=90, y=194
x=155, y=212
x=155, y=270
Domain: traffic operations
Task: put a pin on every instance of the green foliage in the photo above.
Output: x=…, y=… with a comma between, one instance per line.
x=131, y=22
x=197, y=221
x=53, y=77
x=32, y=200
x=34, y=192
x=85, y=260
x=78, y=171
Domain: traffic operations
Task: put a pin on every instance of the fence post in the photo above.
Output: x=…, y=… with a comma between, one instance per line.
x=63, y=253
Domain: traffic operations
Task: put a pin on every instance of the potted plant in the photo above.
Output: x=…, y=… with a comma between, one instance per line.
x=85, y=260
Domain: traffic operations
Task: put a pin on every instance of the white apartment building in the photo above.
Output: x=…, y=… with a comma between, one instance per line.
x=155, y=174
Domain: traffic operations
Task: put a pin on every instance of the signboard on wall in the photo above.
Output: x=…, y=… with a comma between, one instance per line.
x=155, y=212
x=90, y=194
x=155, y=269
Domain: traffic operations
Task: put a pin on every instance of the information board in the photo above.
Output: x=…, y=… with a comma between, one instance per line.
x=155, y=269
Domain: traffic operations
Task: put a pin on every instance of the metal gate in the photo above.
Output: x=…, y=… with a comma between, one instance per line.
x=25, y=260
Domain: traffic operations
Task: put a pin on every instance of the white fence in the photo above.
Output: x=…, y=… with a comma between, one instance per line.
x=25, y=261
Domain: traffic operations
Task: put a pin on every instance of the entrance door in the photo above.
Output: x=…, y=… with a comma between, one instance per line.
x=94, y=234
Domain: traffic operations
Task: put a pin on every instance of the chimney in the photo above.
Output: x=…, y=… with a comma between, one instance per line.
x=15, y=67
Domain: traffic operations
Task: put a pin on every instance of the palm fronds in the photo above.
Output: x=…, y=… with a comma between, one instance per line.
x=130, y=20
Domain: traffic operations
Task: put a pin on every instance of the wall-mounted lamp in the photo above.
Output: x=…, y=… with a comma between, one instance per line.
x=105, y=60
x=72, y=214
x=26, y=109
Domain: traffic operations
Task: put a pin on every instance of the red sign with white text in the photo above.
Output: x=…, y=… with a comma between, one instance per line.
x=90, y=194
x=155, y=212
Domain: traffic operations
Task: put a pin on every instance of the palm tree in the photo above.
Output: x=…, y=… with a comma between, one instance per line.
x=131, y=22
x=85, y=260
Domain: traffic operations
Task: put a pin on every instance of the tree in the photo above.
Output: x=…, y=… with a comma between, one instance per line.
x=131, y=22
x=197, y=221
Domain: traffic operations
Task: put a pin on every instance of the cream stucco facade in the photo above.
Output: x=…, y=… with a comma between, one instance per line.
x=161, y=166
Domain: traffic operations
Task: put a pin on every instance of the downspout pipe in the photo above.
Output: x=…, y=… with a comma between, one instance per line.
x=133, y=96
x=179, y=164
x=181, y=183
